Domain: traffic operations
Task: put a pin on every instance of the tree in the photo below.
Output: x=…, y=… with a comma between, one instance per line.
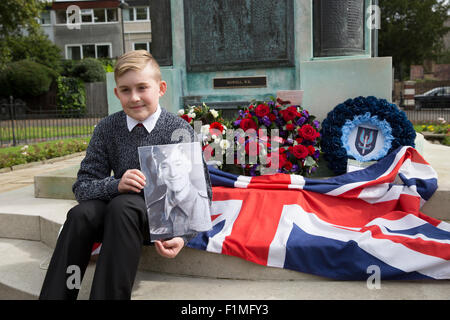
x=411, y=31
x=17, y=17
x=36, y=47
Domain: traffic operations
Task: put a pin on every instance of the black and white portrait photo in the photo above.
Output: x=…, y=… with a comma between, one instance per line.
x=175, y=192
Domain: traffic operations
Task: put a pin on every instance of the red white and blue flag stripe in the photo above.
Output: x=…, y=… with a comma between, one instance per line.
x=336, y=227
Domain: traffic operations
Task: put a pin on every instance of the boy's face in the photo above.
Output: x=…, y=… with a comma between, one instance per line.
x=175, y=171
x=139, y=92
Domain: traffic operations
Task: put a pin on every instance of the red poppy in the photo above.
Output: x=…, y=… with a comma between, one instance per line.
x=252, y=148
x=288, y=165
x=290, y=127
x=248, y=124
x=290, y=113
x=187, y=118
x=300, y=151
x=214, y=127
x=262, y=110
x=308, y=132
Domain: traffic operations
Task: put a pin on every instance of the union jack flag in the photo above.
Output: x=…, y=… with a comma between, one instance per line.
x=336, y=227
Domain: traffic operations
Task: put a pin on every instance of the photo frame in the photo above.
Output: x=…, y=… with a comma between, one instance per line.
x=175, y=191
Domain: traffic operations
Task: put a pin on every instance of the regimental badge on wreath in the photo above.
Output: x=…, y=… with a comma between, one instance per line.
x=365, y=138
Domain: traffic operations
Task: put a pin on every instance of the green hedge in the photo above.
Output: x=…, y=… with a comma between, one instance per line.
x=25, y=78
x=71, y=95
x=89, y=70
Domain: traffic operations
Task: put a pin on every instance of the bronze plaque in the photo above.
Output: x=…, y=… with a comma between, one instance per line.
x=238, y=34
x=240, y=82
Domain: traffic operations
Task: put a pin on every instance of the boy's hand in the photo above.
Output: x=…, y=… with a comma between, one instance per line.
x=133, y=180
x=169, y=248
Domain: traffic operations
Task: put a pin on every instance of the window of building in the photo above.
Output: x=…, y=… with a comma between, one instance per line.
x=103, y=51
x=61, y=17
x=81, y=51
x=89, y=16
x=99, y=15
x=45, y=18
x=86, y=15
x=89, y=51
x=111, y=15
x=73, y=52
x=142, y=46
x=136, y=14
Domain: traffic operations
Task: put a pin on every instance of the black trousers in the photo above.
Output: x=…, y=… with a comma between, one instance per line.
x=121, y=225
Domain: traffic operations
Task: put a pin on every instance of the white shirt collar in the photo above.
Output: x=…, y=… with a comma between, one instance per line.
x=148, y=123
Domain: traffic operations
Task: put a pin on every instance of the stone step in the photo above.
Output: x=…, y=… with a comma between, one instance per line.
x=23, y=266
x=40, y=219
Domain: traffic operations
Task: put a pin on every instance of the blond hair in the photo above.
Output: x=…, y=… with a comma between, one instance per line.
x=136, y=60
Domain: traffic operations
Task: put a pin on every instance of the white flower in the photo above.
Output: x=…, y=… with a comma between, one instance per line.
x=25, y=147
x=225, y=144
x=192, y=115
x=180, y=112
x=25, y=153
x=205, y=129
x=214, y=113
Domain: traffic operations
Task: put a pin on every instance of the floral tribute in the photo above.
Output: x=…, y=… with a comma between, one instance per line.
x=293, y=128
x=401, y=130
x=211, y=127
x=266, y=137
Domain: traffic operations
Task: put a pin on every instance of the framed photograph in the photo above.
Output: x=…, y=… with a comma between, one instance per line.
x=175, y=192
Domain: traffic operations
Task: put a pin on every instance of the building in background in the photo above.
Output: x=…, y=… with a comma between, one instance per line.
x=100, y=33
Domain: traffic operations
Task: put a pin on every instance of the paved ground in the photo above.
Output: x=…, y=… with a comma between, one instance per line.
x=23, y=175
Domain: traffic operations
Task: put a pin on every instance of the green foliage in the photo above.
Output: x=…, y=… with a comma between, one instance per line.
x=89, y=70
x=411, y=31
x=35, y=47
x=108, y=64
x=41, y=151
x=71, y=97
x=17, y=16
x=25, y=78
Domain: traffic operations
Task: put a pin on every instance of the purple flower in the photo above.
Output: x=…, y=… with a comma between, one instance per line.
x=253, y=170
x=316, y=154
x=266, y=121
x=305, y=113
x=316, y=124
x=289, y=141
x=294, y=168
x=237, y=123
x=300, y=121
x=279, y=122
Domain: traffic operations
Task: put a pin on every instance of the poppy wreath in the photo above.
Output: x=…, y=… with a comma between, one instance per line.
x=298, y=138
x=396, y=127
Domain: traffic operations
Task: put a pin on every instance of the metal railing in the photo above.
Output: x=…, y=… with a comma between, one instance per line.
x=19, y=125
x=428, y=115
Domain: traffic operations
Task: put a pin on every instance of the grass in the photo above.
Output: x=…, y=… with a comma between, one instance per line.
x=12, y=156
x=39, y=132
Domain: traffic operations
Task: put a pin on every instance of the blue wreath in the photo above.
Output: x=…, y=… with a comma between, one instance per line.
x=335, y=153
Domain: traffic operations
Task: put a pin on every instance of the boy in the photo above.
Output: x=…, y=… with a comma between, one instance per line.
x=112, y=209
